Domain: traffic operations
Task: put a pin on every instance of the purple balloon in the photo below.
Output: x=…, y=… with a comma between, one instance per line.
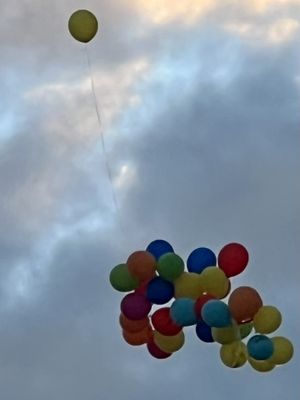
x=135, y=306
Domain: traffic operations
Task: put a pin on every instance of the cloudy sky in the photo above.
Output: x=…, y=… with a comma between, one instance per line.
x=199, y=101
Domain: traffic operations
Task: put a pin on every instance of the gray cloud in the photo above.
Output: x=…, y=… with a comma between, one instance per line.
x=213, y=143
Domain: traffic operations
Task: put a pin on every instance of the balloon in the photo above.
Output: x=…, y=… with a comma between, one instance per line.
x=121, y=279
x=262, y=365
x=245, y=329
x=160, y=291
x=142, y=265
x=233, y=355
x=170, y=266
x=135, y=306
x=283, y=350
x=133, y=325
x=163, y=323
x=244, y=302
x=203, y=331
x=143, y=286
x=233, y=259
x=260, y=347
x=216, y=314
x=215, y=282
x=169, y=344
x=138, y=338
x=183, y=312
x=188, y=285
x=159, y=247
x=155, y=351
x=228, y=289
x=226, y=335
x=83, y=25
x=201, y=258
x=200, y=303
x=267, y=319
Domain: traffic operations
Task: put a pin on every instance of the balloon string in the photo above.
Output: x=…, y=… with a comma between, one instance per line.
x=108, y=169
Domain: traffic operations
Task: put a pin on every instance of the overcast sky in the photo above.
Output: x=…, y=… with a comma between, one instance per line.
x=199, y=101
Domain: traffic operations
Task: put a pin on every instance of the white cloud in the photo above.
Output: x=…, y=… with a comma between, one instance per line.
x=274, y=33
x=166, y=11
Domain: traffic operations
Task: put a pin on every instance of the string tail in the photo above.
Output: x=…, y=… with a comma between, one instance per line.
x=107, y=165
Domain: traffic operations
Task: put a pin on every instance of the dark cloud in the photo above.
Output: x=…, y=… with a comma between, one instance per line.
x=212, y=143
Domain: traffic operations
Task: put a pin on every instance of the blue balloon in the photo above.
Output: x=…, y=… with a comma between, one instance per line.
x=260, y=347
x=183, y=312
x=159, y=247
x=201, y=258
x=203, y=332
x=216, y=314
x=159, y=291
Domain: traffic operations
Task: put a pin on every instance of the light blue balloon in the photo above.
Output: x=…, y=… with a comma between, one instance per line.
x=183, y=312
x=260, y=347
x=216, y=314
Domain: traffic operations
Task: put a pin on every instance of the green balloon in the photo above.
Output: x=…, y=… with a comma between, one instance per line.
x=121, y=279
x=245, y=329
x=170, y=266
x=83, y=25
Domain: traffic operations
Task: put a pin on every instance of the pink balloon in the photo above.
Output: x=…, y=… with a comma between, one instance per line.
x=135, y=306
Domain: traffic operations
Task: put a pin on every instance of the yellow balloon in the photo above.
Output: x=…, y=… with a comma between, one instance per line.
x=283, y=350
x=189, y=284
x=267, y=319
x=83, y=25
x=261, y=366
x=215, y=282
x=225, y=335
x=234, y=355
x=169, y=344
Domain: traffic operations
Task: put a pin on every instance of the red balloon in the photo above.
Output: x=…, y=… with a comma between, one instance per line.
x=163, y=323
x=142, y=288
x=155, y=351
x=135, y=306
x=233, y=259
x=201, y=301
x=243, y=303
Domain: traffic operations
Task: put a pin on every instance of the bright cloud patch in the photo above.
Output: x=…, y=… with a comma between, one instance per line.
x=165, y=11
x=278, y=32
x=262, y=6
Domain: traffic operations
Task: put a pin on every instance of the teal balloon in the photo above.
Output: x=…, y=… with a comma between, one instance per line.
x=216, y=314
x=170, y=266
x=121, y=280
x=260, y=347
x=183, y=312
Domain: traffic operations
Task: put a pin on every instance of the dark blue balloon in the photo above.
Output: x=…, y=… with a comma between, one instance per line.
x=201, y=258
x=159, y=291
x=159, y=247
x=203, y=332
x=260, y=347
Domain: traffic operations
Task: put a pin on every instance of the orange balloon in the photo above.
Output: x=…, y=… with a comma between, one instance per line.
x=138, y=338
x=142, y=265
x=132, y=326
x=244, y=302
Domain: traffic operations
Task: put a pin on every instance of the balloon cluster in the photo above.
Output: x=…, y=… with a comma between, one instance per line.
x=157, y=275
